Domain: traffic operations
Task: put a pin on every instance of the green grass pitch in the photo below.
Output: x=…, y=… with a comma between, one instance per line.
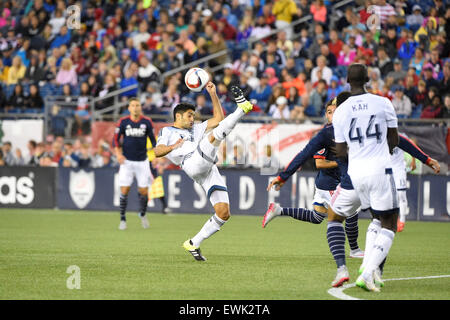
x=289, y=260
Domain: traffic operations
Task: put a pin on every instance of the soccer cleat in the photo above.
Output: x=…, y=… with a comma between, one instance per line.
x=341, y=277
x=122, y=225
x=357, y=253
x=196, y=253
x=400, y=226
x=271, y=213
x=366, y=285
x=167, y=210
x=377, y=278
x=144, y=222
x=242, y=103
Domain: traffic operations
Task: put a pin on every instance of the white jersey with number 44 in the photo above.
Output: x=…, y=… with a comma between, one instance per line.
x=362, y=122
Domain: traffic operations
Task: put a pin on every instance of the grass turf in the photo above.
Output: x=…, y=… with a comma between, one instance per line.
x=287, y=260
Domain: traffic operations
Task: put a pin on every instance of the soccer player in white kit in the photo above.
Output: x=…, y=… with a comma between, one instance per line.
x=194, y=148
x=367, y=124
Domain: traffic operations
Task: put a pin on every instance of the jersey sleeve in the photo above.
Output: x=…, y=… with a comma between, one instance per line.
x=408, y=146
x=339, y=136
x=163, y=137
x=150, y=133
x=321, y=154
x=391, y=116
x=313, y=146
x=118, y=132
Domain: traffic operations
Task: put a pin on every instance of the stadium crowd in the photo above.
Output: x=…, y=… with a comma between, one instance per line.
x=289, y=74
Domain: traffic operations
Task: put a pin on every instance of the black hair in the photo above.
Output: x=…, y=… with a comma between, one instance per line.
x=182, y=108
x=357, y=75
x=341, y=97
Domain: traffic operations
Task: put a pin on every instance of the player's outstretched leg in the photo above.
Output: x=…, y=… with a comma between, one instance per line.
x=272, y=212
x=226, y=125
x=143, y=201
x=336, y=243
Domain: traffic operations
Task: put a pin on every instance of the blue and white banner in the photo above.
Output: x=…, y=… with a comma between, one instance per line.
x=97, y=189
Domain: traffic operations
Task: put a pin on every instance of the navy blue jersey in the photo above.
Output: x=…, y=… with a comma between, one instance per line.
x=135, y=133
x=408, y=146
x=323, y=139
x=327, y=179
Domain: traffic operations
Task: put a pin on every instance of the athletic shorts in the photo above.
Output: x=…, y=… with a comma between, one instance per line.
x=139, y=169
x=206, y=174
x=377, y=192
x=345, y=202
x=400, y=177
x=322, y=197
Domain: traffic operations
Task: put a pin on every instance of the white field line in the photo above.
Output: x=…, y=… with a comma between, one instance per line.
x=339, y=292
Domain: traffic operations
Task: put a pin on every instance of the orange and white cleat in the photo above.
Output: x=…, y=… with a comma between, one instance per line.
x=400, y=226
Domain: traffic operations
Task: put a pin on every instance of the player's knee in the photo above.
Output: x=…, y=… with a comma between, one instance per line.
x=222, y=211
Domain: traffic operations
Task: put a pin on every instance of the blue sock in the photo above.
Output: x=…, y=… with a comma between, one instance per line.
x=302, y=214
x=123, y=206
x=351, y=230
x=336, y=241
x=143, y=200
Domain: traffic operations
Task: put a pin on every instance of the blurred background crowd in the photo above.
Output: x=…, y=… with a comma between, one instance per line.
x=289, y=65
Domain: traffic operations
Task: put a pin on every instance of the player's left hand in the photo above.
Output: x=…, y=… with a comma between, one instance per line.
x=433, y=164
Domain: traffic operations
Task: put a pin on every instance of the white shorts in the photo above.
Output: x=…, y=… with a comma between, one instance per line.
x=139, y=169
x=322, y=197
x=400, y=178
x=345, y=202
x=206, y=174
x=377, y=192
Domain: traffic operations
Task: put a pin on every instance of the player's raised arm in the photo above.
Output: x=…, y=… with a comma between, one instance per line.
x=161, y=150
x=217, y=107
x=410, y=147
x=315, y=144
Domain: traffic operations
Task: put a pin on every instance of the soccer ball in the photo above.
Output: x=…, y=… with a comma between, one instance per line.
x=196, y=79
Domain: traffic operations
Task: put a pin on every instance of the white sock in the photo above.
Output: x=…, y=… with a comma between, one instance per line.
x=372, y=233
x=403, y=204
x=209, y=228
x=379, y=251
x=226, y=125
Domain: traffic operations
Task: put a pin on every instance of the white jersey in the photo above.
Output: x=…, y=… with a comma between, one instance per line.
x=170, y=135
x=362, y=122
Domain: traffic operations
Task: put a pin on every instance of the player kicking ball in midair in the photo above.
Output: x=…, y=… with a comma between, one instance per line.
x=194, y=148
x=132, y=157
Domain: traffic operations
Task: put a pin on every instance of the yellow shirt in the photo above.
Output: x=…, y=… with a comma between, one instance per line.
x=284, y=9
x=14, y=74
x=150, y=153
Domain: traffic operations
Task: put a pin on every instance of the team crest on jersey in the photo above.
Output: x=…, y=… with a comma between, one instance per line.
x=321, y=152
x=81, y=187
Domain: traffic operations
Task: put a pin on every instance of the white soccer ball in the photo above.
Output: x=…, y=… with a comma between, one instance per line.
x=196, y=79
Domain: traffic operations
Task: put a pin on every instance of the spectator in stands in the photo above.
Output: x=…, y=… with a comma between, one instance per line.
x=346, y=56
x=68, y=158
x=318, y=98
x=433, y=110
x=334, y=89
x=415, y=19
x=16, y=72
x=280, y=110
x=34, y=73
x=57, y=22
x=263, y=91
x=401, y=103
x=32, y=148
x=34, y=99
x=397, y=74
x=429, y=78
x=202, y=108
x=85, y=160
x=284, y=10
x=331, y=58
x=321, y=71
x=63, y=38
x=384, y=63
x=147, y=71
x=17, y=100
x=127, y=81
x=67, y=74
x=8, y=156
x=171, y=97
x=384, y=10
x=446, y=111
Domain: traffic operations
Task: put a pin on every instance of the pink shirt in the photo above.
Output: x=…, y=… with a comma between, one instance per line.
x=319, y=13
x=64, y=77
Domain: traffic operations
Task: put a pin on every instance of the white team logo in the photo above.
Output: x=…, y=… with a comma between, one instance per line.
x=81, y=187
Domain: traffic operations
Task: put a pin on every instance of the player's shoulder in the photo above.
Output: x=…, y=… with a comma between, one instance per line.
x=147, y=119
x=123, y=119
